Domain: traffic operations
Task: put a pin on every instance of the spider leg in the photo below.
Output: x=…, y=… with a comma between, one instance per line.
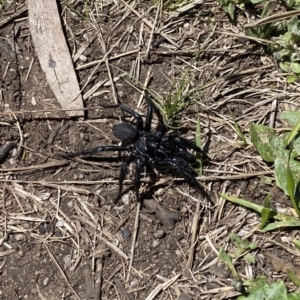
x=123, y=171
x=149, y=112
x=181, y=167
x=95, y=150
x=138, y=168
x=134, y=114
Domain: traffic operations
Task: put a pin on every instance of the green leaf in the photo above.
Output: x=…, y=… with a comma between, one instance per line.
x=231, y=10
x=292, y=25
x=294, y=132
x=267, y=143
x=274, y=291
x=293, y=278
x=227, y=260
x=242, y=245
x=268, y=8
x=281, y=174
x=291, y=78
x=297, y=243
x=266, y=212
x=291, y=116
x=249, y=258
x=291, y=223
x=295, y=67
x=285, y=66
x=238, y=129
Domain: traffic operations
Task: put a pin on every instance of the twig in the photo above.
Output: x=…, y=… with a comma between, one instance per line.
x=189, y=264
x=60, y=270
x=136, y=226
x=35, y=167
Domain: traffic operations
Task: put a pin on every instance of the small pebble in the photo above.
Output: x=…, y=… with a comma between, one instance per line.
x=14, y=152
x=60, y=223
x=81, y=176
x=134, y=282
x=125, y=199
x=83, y=57
x=155, y=243
x=33, y=101
x=67, y=260
x=19, y=237
x=160, y=192
x=186, y=25
x=45, y=196
x=11, y=161
x=70, y=204
x=159, y=234
x=46, y=281
x=125, y=233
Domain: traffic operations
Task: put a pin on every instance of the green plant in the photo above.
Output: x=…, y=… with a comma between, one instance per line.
x=170, y=4
x=274, y=149
x=261, y=289
x=230, y=6
x=286, y=49
x=264, y=31
x=178, y=98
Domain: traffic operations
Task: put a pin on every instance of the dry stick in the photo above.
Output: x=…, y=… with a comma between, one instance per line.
x=108, y=67
x=190, y=260
x=98, y=276
x=273, y=18
x=36, y=167
x=152, y=32
x=273, y=113
x=29, y=69
x=60, y=269
x=147, y=80
x=136, y=225
x=161, y=287
x=149, y=24
x=16, y=14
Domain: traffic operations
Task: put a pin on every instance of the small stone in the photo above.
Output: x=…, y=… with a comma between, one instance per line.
x=186, y=25
x=159, y=234
x=33, y=101
x=60, y=223
x=125, y=233
x=134, y=282
x=14, y=152
x=125, y=199
x=46, y=281
x=160, y=192
x=19, y=237
x=67, y=260
x=70, y=204
x=155, y=243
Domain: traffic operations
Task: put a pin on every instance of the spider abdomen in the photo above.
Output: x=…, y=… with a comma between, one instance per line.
x=125, y=132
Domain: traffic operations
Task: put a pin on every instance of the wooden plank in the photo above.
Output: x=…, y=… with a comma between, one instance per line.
x=53, y=53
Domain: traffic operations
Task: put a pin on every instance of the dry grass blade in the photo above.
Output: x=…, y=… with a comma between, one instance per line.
x=61, y=270
x=161, y=287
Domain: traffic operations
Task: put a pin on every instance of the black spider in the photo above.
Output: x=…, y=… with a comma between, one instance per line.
x=152, y=149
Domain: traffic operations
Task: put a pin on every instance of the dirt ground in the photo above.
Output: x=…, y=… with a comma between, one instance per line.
x=61, y=234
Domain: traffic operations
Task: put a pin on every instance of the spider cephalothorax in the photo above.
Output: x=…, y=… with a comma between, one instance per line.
x=146, y=148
